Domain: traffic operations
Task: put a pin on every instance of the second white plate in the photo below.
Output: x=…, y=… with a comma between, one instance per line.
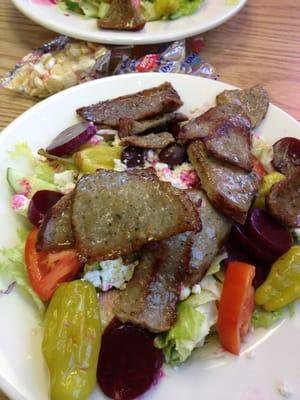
x=211, y=14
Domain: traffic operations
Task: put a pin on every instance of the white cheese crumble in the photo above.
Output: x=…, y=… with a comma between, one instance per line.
x=119, y=166
x=65, y=181
x=284, y=390
x=105, y=275
x=262, y=151
x=184, y=292
x=182, y=176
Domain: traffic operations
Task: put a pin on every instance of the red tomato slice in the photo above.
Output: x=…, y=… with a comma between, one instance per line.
x=46, y=270
x=236, y=305
x=258, y=167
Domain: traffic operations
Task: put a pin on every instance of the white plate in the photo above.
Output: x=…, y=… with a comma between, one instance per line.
x=210, y=15
x=205, y=376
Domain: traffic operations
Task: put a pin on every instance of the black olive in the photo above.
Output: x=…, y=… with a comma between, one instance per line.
x=173, y=154
x=133, y=157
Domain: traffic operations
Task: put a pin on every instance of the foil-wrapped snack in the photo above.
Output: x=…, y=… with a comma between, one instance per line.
x=178, y=57
x=58, y=65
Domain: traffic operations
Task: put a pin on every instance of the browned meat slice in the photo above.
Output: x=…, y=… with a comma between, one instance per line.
x=254, y=101
x=128, y=126
x=56, y=232
x=206, y=243
x=231, y=144
x=150, y=141
x=141, y=105
x=230, y=189
x=123, y=15
x=283, y=201
x=116, y=213
x=206, y=123
x=151, y=297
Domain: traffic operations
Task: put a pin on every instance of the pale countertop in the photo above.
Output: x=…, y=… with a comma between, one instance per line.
x=259, y=45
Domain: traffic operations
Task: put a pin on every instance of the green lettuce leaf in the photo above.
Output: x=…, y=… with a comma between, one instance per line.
x=12, y=264
x=265, y=319
x=32, y=165
x=195, y=316
x=187, y=7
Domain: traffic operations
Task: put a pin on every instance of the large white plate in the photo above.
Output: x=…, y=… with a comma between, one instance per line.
x=210, y=15
x=206, y=375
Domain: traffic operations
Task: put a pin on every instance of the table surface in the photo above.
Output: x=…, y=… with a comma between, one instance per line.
x=259, y=45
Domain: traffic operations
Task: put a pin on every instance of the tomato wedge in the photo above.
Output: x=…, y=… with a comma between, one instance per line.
x=46, y=270
x=258, y=167
x=236, y=305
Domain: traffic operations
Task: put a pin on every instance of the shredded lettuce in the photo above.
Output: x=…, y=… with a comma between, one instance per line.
x=12, y=264
x=152, y=9
x=195, y=316
x=215, y=266
x=263, y=151
x=265, y=319
x=32, y=165
x=186, y=7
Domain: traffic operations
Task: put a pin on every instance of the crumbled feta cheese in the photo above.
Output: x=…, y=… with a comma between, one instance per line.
x=184, y=292
x=284, y=390
x=110, y=273
x=20, y=203
x=94, y=277
x=65, y=181
x=196, y=289
x=119, y=166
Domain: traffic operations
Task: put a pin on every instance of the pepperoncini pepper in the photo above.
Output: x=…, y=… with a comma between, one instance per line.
x=282, y=285
x=268, y=181
x=71, y=341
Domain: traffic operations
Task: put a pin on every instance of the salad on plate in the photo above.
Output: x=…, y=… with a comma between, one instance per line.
x=147, y=233
x=130, y=15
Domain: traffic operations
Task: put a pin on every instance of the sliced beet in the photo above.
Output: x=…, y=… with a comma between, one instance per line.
x=40, y=203
x=71, y=139
x=128, y=363
x=275, y=238
x=252, y=246
x=286, y=154
x=236, y=252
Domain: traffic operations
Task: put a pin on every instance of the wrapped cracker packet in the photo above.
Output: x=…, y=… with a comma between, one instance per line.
x=56, y=66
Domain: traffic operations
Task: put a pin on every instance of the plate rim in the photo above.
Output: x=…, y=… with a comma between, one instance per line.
x=6, y=386
x=107, y=38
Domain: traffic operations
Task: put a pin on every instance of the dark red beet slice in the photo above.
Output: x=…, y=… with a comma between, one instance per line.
x=243, y=236
x=128, y=363
x=40, y=203
x=238, y=253
x=286, y=154
x=71, y=139
x=275, y=238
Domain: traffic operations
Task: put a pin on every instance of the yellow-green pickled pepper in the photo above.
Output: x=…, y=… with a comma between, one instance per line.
x=71, y=341
x=282, y=285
